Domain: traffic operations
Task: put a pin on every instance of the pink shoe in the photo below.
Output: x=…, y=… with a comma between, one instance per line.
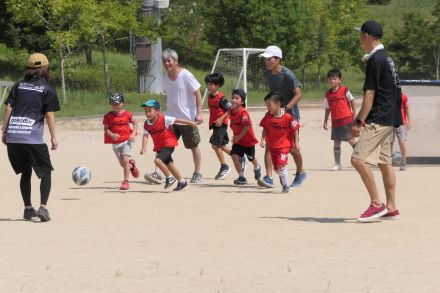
x=134, y=171
x=392, y=215
x=124, y=185
x=373, y=213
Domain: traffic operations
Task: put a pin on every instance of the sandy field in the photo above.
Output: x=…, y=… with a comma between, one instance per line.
x=216, y=237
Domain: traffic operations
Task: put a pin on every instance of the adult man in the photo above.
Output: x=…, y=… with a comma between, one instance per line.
x=29, y=102
x=379, y=114
x=184, y=101
x=282, y=80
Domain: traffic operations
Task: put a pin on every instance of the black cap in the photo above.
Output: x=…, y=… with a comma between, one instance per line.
x=372, y=28
x=116, y=98
x=242, y=94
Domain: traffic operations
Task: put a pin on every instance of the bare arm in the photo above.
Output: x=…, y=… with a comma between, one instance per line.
x=144, y=144
x=263, y=136
x=242, y=133
x=135, y=131
x=408, y=119
x=50, y=118
x=219, y=121
x=107, y=131
x=199, y=117
x=295, y=99
x=326, y=114
x=367, y=103
x=7, y=115
x=353, y=108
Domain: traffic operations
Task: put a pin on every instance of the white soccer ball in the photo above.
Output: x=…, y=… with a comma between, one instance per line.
x=396, y=159
x=81, y=175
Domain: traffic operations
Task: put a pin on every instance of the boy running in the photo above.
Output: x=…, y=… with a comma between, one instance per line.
x=218, y=105
x=340, y=103
x=280, y=131
x=160, y=128
x=117, y=132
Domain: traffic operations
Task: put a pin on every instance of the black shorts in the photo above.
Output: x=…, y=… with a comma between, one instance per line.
x=165, y=155
x=190, y=135
x=219, y=135
x=240, y=150
x=25, y=156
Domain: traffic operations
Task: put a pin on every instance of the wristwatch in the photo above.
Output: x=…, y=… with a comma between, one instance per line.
x=360, y=122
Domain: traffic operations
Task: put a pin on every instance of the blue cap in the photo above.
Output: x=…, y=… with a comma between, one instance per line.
x=151, y=103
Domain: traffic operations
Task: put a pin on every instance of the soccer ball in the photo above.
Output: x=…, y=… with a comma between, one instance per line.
x=81, y=175
x=396, y=159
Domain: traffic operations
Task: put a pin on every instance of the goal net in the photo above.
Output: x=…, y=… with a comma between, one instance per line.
x=241, y=68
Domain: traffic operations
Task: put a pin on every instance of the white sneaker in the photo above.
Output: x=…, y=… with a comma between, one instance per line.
x=336, y=167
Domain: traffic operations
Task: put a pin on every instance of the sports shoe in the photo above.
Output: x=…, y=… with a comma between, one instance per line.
x=43, y=214
x=124, y=185
x=391, y=215
x=29, y=213
x=242, y=161
x=336, y=167
x=224, y=170
x=403, y=166
x=299, y=178
x=169, y=182
x=257, y=173
x=181, y=185
x=286, y=189
x=197, y=178
x=240, y=181
x=266, y=182
x=373, y=213
x=134, y=170
x=154, y=177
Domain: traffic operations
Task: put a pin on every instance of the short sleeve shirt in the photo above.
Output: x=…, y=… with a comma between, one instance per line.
x=382, y=77
x=284, y=83
x=279, y=130
x=168, y=122
x=30, y=101
x=181, y=101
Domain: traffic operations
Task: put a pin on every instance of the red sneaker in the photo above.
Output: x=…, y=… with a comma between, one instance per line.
x=124, y=185
x=134, y=171
x=373, y=213
x=392, y=215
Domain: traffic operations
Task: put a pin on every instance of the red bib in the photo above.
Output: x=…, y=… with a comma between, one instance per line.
x=215, y=111
x=162, y=137
x=118, y=123
x=338, y=103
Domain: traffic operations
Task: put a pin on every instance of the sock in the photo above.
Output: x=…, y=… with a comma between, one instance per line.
x=169, y=177
x=182, y=181
x=223, y=165
x=284, y=176
x=241, y=174
x=337, y=154
x=257, y=168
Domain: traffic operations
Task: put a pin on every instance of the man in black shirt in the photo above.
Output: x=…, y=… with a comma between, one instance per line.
x=379, y=114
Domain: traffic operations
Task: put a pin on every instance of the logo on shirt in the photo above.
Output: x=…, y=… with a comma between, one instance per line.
x=396, y=80
x=22, y=125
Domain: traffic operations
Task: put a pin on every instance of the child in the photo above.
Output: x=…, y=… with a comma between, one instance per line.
x=340, y=103
x=244, y=139
x=159, y=127
x=400, y=132
x=280, y=130
x=117, y=132
x=218, y=105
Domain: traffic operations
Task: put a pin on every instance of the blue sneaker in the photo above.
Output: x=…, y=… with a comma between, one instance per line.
x=266, y=182
x=299, y=178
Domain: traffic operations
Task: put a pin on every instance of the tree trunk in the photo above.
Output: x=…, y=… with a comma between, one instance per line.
x=303, y=76
x=88, y=52
x=104, y=57
x=63, y=80
x=318, y=80
x=438, y=63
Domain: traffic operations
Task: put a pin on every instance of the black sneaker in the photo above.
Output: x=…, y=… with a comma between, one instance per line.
x=181, y=185
x=224, y=170
x=170, y=182
x=240, y=181
x=29, y=214
x=43, y=214
x=257, y=173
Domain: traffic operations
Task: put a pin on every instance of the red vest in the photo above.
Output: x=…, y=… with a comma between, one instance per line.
x=162, y=137
x=215, y=111
x=238, y=121
x=118, y=123
x=404, y=106
x=339, y=104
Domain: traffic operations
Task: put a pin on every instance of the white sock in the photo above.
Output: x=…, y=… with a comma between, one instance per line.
x=284, y=175
x=257, y=168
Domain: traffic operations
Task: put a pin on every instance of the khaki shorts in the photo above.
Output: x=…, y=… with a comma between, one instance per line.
x=373, y=146
x=190, y=135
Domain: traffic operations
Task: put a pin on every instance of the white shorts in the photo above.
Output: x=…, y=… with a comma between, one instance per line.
x=122, y=149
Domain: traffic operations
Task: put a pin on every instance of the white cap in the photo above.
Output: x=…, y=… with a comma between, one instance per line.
x=272, y=51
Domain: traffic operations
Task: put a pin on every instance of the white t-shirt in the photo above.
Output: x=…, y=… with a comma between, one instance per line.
x=348, y=95
x=168, y=122
x=181, y=101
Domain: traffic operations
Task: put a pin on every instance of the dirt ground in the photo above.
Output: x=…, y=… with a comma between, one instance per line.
x=216, y=237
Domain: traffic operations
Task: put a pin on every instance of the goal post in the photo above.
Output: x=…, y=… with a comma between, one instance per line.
x=241, y=68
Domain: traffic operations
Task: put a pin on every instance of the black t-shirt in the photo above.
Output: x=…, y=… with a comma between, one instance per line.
x=381, y=76
x=30, y=101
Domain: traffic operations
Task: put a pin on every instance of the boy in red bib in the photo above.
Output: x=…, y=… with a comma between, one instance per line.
x=340, y=103
x=117, y=131
x=280, y=132
x=401, y=131
x=160, y=128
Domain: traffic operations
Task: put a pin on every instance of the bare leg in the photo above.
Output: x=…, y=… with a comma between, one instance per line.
x=226, y=149
x=197, y=158
x=219, y=152
x=268, y=162
x=162, y=167
x=126, y=166
x=389, y=182
x=337, y=151
x=174, y=171
x=237, y=164
x=368, y=179
x=297, y=157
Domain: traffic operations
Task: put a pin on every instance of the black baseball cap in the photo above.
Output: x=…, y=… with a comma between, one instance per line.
x=116, y=98
x=372, y=28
